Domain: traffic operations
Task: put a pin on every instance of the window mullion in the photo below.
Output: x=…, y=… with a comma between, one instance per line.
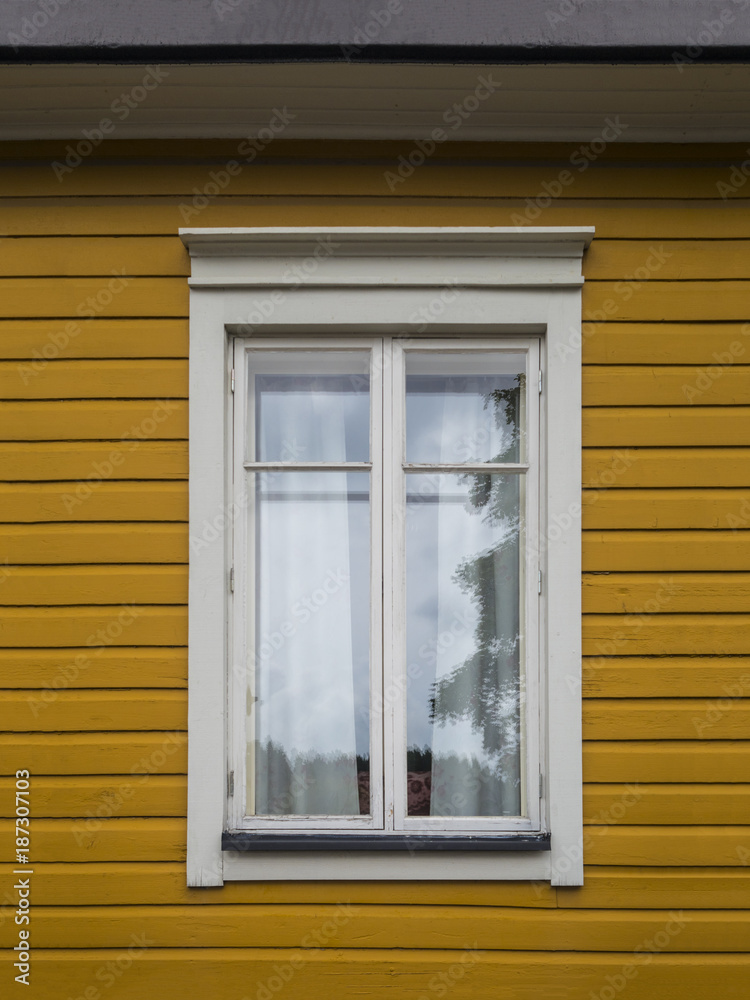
x=389, y=585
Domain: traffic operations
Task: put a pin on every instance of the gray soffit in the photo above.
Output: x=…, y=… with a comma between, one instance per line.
x=448, y=31
x=697, y=102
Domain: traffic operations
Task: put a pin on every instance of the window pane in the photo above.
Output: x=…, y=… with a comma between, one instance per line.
x=464, y=644
x=308, y=698
x=309, y=406
x=465, y=407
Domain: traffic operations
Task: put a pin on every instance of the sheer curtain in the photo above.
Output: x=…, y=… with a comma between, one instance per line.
x=305, y=755
x=476, y=722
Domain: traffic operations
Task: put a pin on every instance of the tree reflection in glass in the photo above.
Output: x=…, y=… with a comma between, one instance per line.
x=464, y=581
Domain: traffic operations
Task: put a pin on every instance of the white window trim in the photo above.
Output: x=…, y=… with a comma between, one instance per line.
x=372, y=281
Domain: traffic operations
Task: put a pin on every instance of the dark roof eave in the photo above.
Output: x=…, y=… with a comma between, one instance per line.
x=428, y=54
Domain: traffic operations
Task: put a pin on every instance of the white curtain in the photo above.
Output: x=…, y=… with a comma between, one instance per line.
x=305, y=751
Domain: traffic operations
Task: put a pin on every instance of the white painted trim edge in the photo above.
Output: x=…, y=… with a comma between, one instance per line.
x=530, y=304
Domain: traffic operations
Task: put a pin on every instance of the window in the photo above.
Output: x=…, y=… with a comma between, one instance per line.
x=384, y=612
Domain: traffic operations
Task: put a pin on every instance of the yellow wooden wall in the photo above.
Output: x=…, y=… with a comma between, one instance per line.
x=666, y=586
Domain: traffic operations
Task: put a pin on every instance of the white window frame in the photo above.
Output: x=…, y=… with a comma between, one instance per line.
x=405, y=282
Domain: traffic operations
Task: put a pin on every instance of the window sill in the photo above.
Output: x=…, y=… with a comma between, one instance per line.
x=244, y=840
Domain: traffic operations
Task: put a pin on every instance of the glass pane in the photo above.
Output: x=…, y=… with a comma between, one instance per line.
x=308, y=701
x=309, y=406
x=464, y=537
x=465, y=407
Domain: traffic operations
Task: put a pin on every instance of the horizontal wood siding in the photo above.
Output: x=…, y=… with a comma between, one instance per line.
x=93, y=537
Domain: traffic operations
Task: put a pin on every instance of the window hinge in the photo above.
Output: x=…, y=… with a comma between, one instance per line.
x=231, y=380
x=230, y=783
x=231, y=580
x=541, y=785
x=539, y=583
x=540, y=382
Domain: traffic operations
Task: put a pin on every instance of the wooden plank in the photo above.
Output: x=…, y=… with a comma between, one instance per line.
x=94, y=753
x=93, y=463
x=93, y=543
x=702, y=82
x=666, y=804
x=85, y=710
x=667, y=887
x=59, y=669
x=80, y=420
x=51, y=585
x=128, y=883
x=656, y=218
x=665, y=718
x=666, y=551
x=665, y=634
x=709, y=759
x=41, y=341
x=110, y=501
x=678, y=260
x=163, y=883
x=664, y=508
x=663, y=846
x=718, y=384
x=100, y=255
x=684, y=426
x=614, y=593
x=649, y=467
x=119, y=379
x=102, y=797
x=94, y=627
x=122, y=295
x=660, y=677
x=663, y=343
x=160, y=839
x=368, y=96
x=387, y=927
x=435, y=179
x=325, y=972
